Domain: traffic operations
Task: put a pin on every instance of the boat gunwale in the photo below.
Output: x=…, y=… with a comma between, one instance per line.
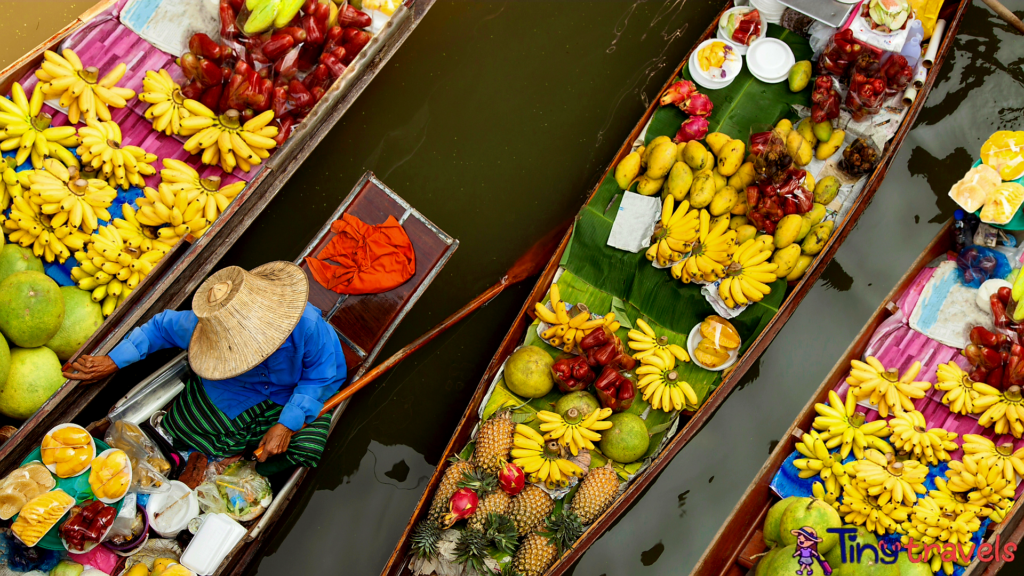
x=397, y=563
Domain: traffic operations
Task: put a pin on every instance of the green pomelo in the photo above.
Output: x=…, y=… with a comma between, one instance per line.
x=866, y=568
x=627, y=439
x=82, y=317
x=762, y=565
x=771, y=521
x=14, y=258
x=813, y=514
x=864, y=536
x=34, y=376
x=782, y=563
x=583, y=401
x=31, y=308
x=908, y=568
x=5, y=360
x=528, y=372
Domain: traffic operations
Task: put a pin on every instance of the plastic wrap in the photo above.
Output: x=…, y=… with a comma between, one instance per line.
x=40, y=514
x=866, y=95
x=22, y=485
x=69, y=449
x=149, y=467
x=111, y=475
x=842, y=51
x=978, y=263
x=859, y=158
x=239, y=492
x=89, y=523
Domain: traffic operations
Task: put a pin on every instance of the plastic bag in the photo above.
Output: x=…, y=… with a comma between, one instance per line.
x=149, y=467
x=239, y=492
x=866, y=96
x=842, y=51
x=978, y=263
x=89, y=522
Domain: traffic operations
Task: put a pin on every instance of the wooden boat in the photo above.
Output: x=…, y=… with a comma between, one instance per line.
x=363, y=324
x=690, y=423
x=181, y=271
x=738, y=543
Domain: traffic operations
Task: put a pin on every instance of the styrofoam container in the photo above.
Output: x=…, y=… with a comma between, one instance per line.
x=177, y=518
x=770, y=59
x=740, y=48
x=217, y=536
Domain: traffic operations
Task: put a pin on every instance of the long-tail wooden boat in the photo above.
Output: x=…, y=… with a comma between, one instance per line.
x=398, y=563
x=181, y=271
x=363, y=324
x=738, y=544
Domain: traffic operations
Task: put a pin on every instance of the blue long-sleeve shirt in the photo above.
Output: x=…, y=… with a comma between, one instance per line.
x=301, y=375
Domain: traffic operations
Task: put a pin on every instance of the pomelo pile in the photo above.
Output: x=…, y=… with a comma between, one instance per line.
x=42, y=326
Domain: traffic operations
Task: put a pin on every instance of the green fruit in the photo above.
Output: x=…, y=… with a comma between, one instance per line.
x=583, y=401
x=82, y=317
x=744, y=233
x=783, y=563
x=627, y=440
x=774, y=516
x=680, y=178
x=817, y=237
x=761, y=569
x=31, y=308
x=723, y=201
x=826, y=190
x=736, y=221
x=34, y=376
x=695, y=155
x=787, y=230
x=814, y=216
x=823, y=131
x=908, y=568
x=800, y=75
x=650, y=147
x=627, y=170
x=528, y=372
x=662, y=157
x=648, y=186
x=14, y=258
x=287, y=11
x=863, y=537
x=806, y=129
x=814, y=514
x=5, y=360
x=262, y=17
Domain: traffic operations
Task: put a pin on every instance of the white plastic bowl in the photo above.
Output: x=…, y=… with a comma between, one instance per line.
x=177, y=519
x=53, y=467
x=770, y=60
x=733, y=66
x=104, y=454
x=691, y=346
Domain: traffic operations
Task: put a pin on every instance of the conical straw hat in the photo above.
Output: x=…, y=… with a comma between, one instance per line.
x=244, y=317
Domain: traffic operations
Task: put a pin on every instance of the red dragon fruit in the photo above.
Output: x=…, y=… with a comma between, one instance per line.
x=511, y=478
x=694, y=128
x=697, y=105
x=462, y=505
x=678, y=92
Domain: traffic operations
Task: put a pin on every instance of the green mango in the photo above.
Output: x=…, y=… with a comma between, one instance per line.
x=288, y=10
x=262, y=18
x=627, y=170
x=800, y=75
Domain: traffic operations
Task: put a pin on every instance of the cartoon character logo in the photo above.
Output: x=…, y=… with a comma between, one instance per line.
x=807, y=551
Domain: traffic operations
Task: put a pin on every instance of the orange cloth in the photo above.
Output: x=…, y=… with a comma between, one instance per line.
x=371, y=259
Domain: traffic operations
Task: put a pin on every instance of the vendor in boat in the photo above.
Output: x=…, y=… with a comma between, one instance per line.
x=264, y=361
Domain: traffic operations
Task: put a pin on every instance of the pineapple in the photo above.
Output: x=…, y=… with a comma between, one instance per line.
x=529, y=508
x=496, y=502
x=449, y=484
x=501, y=530
x=425, y=537
x=494, y=442
x=472, y=550
x=596, y=492
x=535, y=556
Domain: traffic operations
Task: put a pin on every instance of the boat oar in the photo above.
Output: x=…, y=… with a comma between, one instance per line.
x=529, y=264
x=1004, y=13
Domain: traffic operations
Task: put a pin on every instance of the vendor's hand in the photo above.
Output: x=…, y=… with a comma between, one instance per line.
x=275, y=441
x=89, y=369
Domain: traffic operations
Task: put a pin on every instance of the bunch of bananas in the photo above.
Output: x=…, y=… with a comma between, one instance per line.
x=984, y=485
x=166, y=212
x=841, y=424
x=28, y=226
x=136, y=235
x=709, y=254
x=645, y=341
x=204, y=194
x=80, y=88
x=10, y=186
x=747, y=279
x=960, y=394
x=101, y=150
x=1003, y=456
x=830, y=498
x=565, y=332
x=956, y=502
x=110, y=269
x=910, y=434
x=167, y=104
x=674, y=233
x=885, y=388
x=818, y=461
x=574, y=430
x=928, y=523
x=661, y=384
x=881, y=476
x=861, y=509
x=542, y=459
x=1003, y=411
x=26, y=128
x=1001, y=510
x=69, y=198
x=225, y=140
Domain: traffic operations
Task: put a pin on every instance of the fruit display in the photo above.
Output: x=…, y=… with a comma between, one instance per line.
x=573, y=430
x=68, y=198
x=971, y=191
x=840, y=424
x=859, y=158
x=26, y=128
x=80, y=88
x=88, y=524
x=102, y=151
x=111, y=475
x=1002, y=203
x=646, y=342
x=565, y=331
x=167, y=103
x=747, y=279
x=110, y=269
x=884, y=388
x=675, y=233
x=718, y=341
x=661, y=384
x=911, y=435
x=544, y=461
x=40, y=514
x=709, y=254
x=712, y=58
x=742, y=26
x=1003, y=152
x=29, y=227
x=22, y=485
x=929, y=523
x=68, y=450
x=223, y=139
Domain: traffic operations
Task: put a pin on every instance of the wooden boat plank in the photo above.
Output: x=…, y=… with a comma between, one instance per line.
x=397, y=562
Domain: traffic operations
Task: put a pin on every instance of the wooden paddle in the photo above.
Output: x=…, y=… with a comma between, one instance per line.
x=529, y=264
x=1004, y=13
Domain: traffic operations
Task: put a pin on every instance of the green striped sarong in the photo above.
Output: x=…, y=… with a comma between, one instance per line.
x=194, y=420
